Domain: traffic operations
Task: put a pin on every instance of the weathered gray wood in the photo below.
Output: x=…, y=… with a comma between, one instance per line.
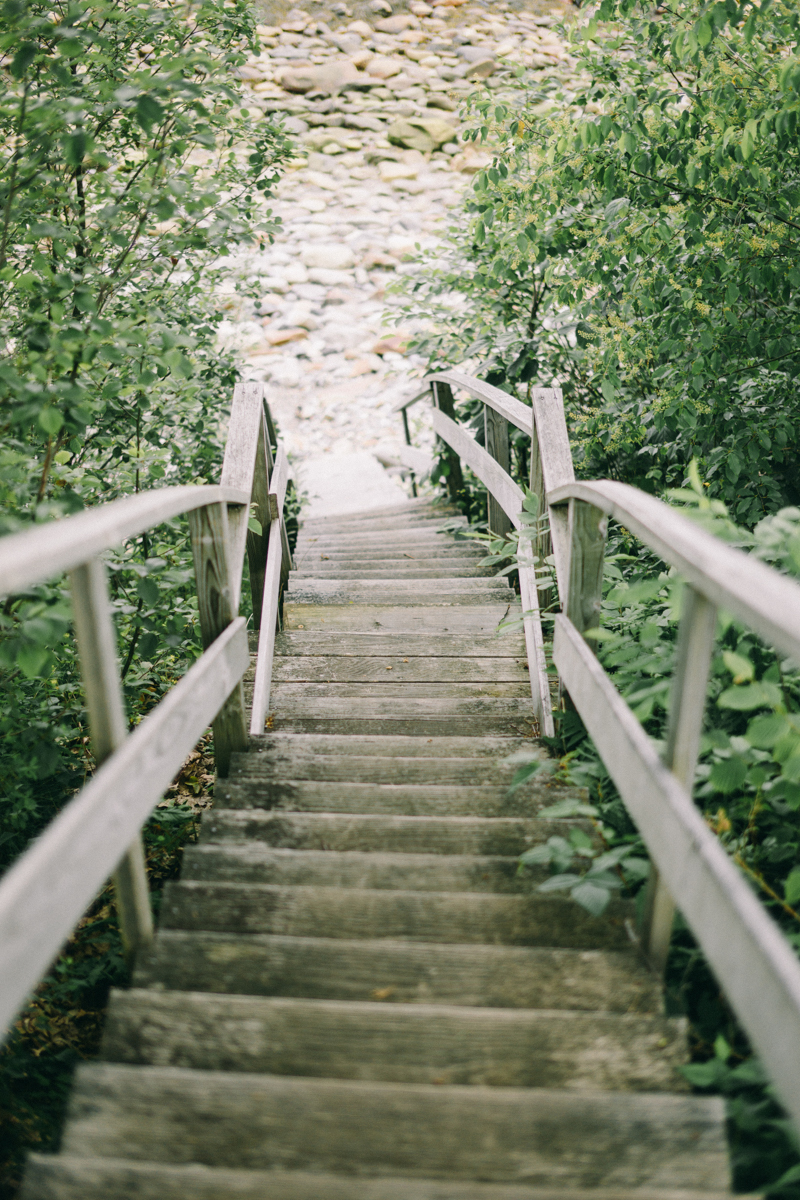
x=211, y=553
x=424, y=504
x=404, y=669
x=551, y=467
x=456, y=619
x=442, y=585
x=534, y=920
x=392, y=834
x=334, y=592
x=378, y=521
x=534, y=642
x=404, y=645
x=687, y=704
x=747, y=952
x=443, y=404
x=403, y=972
x=587, y=545
x=88, y=837
x=403, y=1129
x=389, y=570
x=399, y=1042
x=276, y=562
x=458, y=550
x=320, y=758
x=68, y=1178
x=474, y=746
x=244, y=468
x=388, y=685
x=102, y=687
x=44, y=551
x=499, y=483
x=402, y=405
x=761, y=597
x=501, y=402
x=496, y=442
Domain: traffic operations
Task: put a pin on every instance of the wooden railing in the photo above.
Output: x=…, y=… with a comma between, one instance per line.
x=756, y=966
x=45, y=893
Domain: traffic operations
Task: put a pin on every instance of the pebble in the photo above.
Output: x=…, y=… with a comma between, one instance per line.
x=373, y=106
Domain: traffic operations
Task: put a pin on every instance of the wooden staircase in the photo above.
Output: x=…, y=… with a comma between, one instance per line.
x=353, y=994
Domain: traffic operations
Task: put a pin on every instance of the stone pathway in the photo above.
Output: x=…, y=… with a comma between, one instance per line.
x=374, y=105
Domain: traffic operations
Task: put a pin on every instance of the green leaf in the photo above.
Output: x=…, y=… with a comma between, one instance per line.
x=753, y=695
x=791, y=887
x=764, y=732
x=536, y=856
x=591, y=896
x=254, y=525
x=740, y=668
x=729, y=774
x=559, y=883
x=51, y=420
x=148, y=111
x=148, y=591
x=788, y=1177
x=32, y=658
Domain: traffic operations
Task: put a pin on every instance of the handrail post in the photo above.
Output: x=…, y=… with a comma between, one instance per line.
x=587, y=546
x=496, y=441
x=407, y=432
x=687, y=705
x=209, y=533
x=276, y=509
x=94, y=630
x=442, y=396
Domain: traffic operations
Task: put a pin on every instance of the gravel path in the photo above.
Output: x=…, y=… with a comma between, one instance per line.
x=374, y=105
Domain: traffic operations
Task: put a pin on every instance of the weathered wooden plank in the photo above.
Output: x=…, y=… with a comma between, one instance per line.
x=761, y=597
x=534, y=643
x=239, y=471
x=401, y=644
x=88, y=837
x=442, y=398
x=587, y=544
x=377, y=522
x=341, y=669
x=499, y=483
x=396, y=539
x=533, y=920
x=389, y=571
x=477, y=618
x=501, y=402
x=750, y=957
x=431, y=504
x=405, y=972
x=102, y=687
x=687, y=705
x=477, y=746
x=405, y=1043
x=44, y=551
x=211, y=553
x=496, y=443
x=389, y=685
x=551, y=467
x=428, y=726
x=456, y=552
x=438, y=586
x=362, y=596
x=361, y=1129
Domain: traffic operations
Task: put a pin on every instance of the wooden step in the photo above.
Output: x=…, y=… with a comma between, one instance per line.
x=316, y=762
x=390, y=745
x=397, y=591
x=403, y=644
x=307, y=795
x=398, y=1043
x=389, y=568
x=389, y=684
x=455, y=917
x=382, y=833
x=399, y=538
x=426, y=553
x=401, y=972
x=254, y=862
x=474, y=619
x=503, y=1135
x=418, y=716
x=410, y=521
x=403, y=669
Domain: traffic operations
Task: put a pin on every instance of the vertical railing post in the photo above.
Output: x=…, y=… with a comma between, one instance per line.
x=443, y=400
x=687, y=705
x=587, y=546
x=496, y=442
x=257, y=542
x=209, y=533
x=276, y=510
x=94, y=631
x=407, y=432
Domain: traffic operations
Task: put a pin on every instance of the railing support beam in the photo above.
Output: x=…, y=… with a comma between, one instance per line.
x=496, y=442
x=687, y=705
x=209, y=533
x=443, y=400
x=94, y=631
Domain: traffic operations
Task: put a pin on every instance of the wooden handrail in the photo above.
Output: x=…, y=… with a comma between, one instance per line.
x=98, y=832
x=41, y=552
x=755, y=964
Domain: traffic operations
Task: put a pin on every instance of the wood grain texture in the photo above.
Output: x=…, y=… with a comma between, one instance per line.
x=45, y=551
x=551, y=467
x=765, y=600
x=210, y=550
x=501, y=402
x=748, y=954
x=86, y=840
x=443, y=404
x=496, y=442
x=499, y=483
x=427, y=645
x=97, y=651
x=239, y=471
x=587, y=544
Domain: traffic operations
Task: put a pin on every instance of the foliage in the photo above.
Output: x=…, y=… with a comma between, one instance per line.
x=635, y=240
x=128, y=167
